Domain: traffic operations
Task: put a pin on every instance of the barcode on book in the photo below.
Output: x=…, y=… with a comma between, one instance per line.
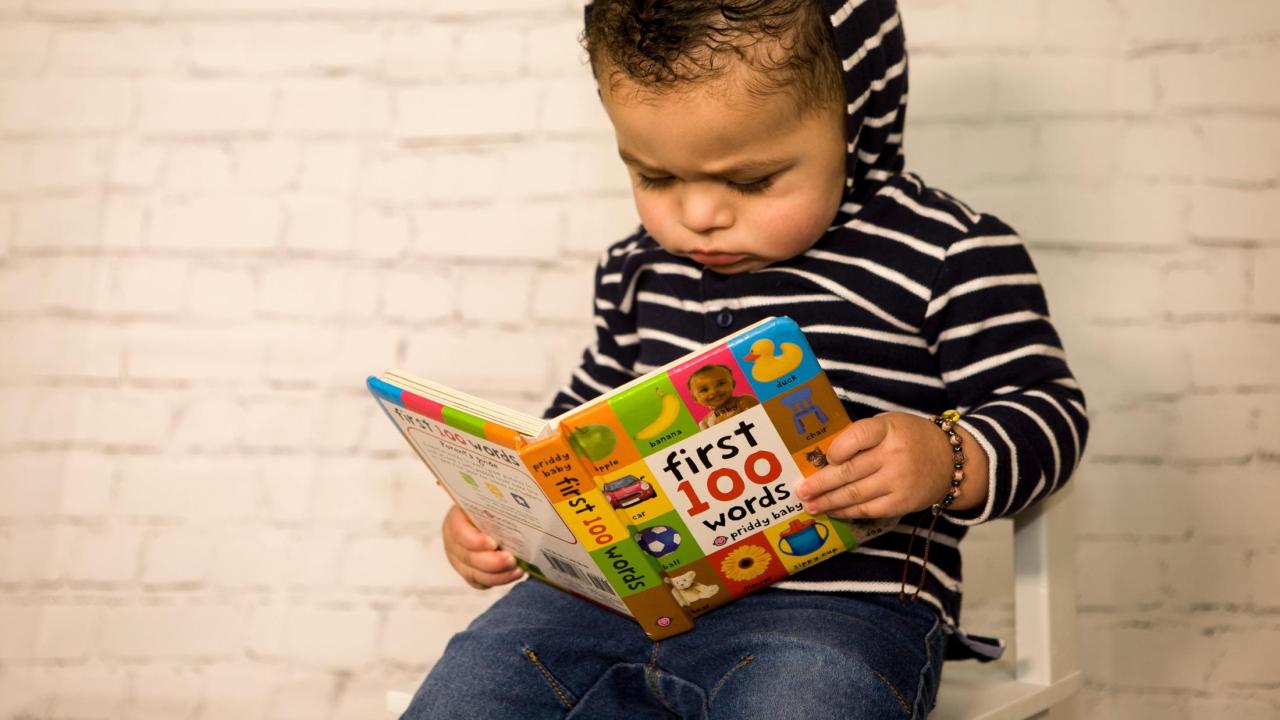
x=574, y=570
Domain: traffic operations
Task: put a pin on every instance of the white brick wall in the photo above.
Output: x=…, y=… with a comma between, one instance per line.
x=217, y=216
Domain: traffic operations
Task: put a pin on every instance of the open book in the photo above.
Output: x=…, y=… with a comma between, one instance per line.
x=662, y=499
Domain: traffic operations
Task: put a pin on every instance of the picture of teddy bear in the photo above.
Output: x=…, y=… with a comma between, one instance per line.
x=687, y=591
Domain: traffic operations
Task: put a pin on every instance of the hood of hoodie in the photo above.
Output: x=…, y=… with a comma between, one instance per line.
x=873, y=58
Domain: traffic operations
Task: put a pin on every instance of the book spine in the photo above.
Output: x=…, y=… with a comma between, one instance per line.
x=634, y=575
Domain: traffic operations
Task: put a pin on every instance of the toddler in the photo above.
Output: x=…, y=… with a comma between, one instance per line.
x=764, y=143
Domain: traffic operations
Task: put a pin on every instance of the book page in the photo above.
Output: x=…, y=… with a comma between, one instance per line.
x=527, y=425
x=487, y=479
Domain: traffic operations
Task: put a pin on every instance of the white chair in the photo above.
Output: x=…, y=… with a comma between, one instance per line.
x=1045, y=673
x=397, y=702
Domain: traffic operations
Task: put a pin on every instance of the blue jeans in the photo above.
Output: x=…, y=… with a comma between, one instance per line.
x=542, y=653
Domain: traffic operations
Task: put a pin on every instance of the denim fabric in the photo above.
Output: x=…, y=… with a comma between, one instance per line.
x=542, y=653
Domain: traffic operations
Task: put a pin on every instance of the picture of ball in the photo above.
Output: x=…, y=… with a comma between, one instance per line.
x=658, y=540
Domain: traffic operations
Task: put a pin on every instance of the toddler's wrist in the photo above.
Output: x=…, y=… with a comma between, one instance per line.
x=947, y=422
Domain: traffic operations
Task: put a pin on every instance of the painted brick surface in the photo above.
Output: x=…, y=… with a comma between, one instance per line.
x=218, y=216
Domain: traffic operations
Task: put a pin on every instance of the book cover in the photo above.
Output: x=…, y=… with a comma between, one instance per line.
x=663, y=499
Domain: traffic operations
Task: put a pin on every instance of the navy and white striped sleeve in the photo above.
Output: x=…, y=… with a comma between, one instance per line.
x=1005, y=369
x=609, y=360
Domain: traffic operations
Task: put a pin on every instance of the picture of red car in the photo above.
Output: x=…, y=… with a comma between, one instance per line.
x=628, y=490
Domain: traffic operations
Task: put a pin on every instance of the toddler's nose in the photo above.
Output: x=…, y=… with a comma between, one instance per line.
x=704, y=208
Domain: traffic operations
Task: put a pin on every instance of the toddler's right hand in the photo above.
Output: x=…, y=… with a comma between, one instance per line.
x=474, y=555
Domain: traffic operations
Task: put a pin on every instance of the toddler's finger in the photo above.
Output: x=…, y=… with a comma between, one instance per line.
x=849, y=495
x=458, y=526
x=484, y=581
x=476, y=540
x=487, y=560
x=484, y=570
x=496, y=561
x=861, y=435
x=833, y=476
x=884, y=506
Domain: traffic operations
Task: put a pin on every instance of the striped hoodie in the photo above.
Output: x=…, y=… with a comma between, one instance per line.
x=912, y=302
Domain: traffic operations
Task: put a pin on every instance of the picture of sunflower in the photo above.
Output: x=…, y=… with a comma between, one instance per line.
x=745, y=563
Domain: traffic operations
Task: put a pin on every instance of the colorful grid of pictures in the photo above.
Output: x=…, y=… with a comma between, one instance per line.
x=721, y=438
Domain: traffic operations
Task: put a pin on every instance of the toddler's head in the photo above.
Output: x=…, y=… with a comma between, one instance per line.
x=729, y=115
x=712, y=385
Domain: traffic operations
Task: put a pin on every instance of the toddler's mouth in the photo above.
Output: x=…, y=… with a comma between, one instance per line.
x=716, y=259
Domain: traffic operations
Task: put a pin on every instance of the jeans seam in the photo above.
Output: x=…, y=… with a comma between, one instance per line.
x=651, y=676
x=550, y=679
x=906, y=708
x=711, y=698
x=928, y=667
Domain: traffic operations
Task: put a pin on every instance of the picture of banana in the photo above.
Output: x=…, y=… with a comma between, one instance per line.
x=666, y=417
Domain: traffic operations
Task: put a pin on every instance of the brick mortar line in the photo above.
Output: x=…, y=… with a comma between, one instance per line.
x=356, y=15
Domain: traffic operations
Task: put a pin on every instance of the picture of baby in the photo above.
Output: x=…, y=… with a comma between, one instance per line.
x=713, y=385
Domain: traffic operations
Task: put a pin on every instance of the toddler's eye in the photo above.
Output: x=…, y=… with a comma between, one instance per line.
x=754, y=187
x=651, y=183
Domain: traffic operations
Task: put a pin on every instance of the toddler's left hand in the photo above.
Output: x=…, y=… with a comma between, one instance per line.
x=890, y=465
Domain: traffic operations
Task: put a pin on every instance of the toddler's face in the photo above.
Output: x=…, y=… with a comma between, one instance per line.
x=733, y=181
x=712, y=387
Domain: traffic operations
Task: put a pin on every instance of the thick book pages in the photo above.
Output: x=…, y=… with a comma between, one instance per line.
x=661, y=500
x=479, y=464
x=536, y=499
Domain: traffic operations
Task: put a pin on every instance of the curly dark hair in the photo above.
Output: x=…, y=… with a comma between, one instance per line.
x=664, y=45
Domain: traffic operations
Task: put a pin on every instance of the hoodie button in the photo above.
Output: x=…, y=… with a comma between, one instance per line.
x=724, y=318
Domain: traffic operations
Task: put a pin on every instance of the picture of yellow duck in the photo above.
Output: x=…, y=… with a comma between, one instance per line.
x=770, y=366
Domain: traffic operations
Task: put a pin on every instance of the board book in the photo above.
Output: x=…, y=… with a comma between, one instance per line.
x=663, y=499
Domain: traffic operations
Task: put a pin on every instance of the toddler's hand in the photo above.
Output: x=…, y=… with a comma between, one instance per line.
x=474, y=555
x=890, y=465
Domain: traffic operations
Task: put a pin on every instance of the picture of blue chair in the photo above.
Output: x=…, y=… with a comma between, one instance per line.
x=800, y=403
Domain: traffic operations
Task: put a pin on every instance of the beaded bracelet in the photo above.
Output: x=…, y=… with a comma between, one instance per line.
x=947, y=423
